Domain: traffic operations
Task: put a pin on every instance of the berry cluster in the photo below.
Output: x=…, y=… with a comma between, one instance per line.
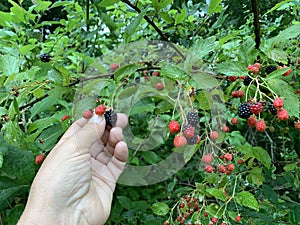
x=252, y=108
x=188, y=134
x=101, y=110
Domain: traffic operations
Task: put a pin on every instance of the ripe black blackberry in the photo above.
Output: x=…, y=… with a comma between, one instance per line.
x=110, y=118
x=193, y=118
x=45, y=58
x=193, y=140
x=270, y=69
x=272, y=109
x=247, y=80
x=244, y=110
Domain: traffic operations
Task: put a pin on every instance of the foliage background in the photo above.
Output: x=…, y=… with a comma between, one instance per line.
x=35, y=95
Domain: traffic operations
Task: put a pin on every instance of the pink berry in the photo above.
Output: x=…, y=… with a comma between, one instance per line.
x=228, y=156
x=234, y=121
x=209, y=169
x=65, y=117
x=100, y=110
x=114, y=66
x=282, y=114
x=278, y=103
x=261, y=126
x=214, y=135
x=87, y=114
x=159, y=86
x=207, y=159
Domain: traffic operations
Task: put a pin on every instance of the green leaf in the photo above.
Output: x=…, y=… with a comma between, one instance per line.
x=214, y=7
x=173, y=72
x=262, y=155
x=276, y=73
x=134, y=24
x=232, y=69
x=217, y=193
x=290, y=167
x=160, y=208
x=61, y=3
x=105, y=3
x=278, y=5
x=26, y=48
x=284, y=90
x=245, y=198
x=9, y=65
x=255, y=176
x=43, y=105
x=19, y=164
x=204, y=81
x=150, y=157
x=277, y=55
x=125, y=71
x=5, y=19
x=180, y=17
x=125, y=202
x=50, y=137
x=202, y=47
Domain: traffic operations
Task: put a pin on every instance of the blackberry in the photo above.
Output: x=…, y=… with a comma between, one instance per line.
x=192, y=118
x=137, y=80
x=270, y=69
x=247, y=80
x=45, y=58
x=110, y=118
x=244, y=110
x=193, y=140
x=272, y=109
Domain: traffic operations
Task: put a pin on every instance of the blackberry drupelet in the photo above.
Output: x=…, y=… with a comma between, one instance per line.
x=193, y=118
x=272, y=109
x=244, y=110
x=270, y=69
x=193, y=140
x=247, y=80
x=110, y=118
x=45, y=58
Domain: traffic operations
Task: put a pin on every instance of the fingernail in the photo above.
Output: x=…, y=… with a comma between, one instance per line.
x=96, y=119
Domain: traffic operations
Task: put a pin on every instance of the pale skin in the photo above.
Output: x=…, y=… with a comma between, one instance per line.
x=75, y=183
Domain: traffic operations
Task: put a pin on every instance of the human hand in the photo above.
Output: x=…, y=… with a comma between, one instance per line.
x=75, y=183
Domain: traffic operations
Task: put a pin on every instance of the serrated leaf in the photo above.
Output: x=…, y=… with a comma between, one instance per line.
x=43, y=105
x=262, y=155
x=255, y=176
x=125, y=202
x=245, y=198
x=217, y=193
x=9, y=65
x=125, y=71
x=203, y=47
x=19, y=164
x=204, y=81
x=26, y=48
x=214, y=7
x=160, y=208
x=179, y=18
x=278, y=55
x=284, y=90
x=290, y=167
x=173, y=72
x=150, y=157
x=134, y=24
x=105, y=3
x=232, y=69
x=276, y=73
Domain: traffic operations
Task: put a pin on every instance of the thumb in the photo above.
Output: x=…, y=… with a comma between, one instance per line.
x=90, y=133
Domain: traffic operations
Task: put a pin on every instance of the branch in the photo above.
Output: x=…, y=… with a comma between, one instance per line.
x=163, y=36
x=256, y=24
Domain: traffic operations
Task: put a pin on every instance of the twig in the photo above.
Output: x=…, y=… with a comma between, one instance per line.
x=163, y=36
